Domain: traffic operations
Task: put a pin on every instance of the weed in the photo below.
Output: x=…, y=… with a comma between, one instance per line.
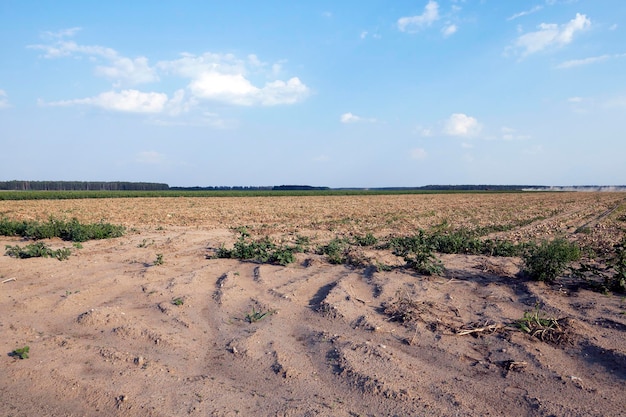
x=263, y=250
x=255, y=316
x=367, y=240
x=178, y=301
x=417, y=253
x=21, y=353
x=618, y=281
x=77, y=245
x=335, y=250
x=145, y=243
x=550, y=259
x=37, y=250
x=159, y=259
x=538, y=325
x=71, y=230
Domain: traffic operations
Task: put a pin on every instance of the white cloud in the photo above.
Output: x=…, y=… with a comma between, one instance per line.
x=352, y=118
x=587, y=61
x=128, y=71
x=4, y=100
x=63, y=33
x=224, y=77
x=526, y=12
x=449, y=30
x=131, y=101
x=413, y=24
x=614, y=26
x=210, y=76
x=511, y=134
x=466, y=145
x=575, y=99
x=363, y=34
x=150, y=158
x=418, y=153
x=423, y=131
x=119, y=69
x=550, y=35
x=460, y=124
x=236, y=89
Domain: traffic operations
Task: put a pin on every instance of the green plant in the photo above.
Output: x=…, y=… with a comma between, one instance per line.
x=71, y=230
x=178, y=301
x=77, y=245
x=417, y=252
x=21, y=353
x=335, y=250
x=159, y=259
x=537, y=324
x=618, y=281
x=37, y=250
x=367, y=240
x=255, y=315
x=145, y=243
x=550, y=259
x=263, y=250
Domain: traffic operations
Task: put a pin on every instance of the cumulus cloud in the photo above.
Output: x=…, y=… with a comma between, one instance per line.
x=352, y=118
x=236, y=89
x=4, y=100
x=128, y=71
x=462, y=125
x=218, y=77
x=418, y=153
x=225, y=78
x=550, y=35
x=117, y=68
x=132, y=101
x=416, y=23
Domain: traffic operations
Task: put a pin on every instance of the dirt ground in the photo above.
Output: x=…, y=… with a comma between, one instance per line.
x=111, y=331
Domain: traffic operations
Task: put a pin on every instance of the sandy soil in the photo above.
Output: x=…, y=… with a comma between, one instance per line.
x=112, y=333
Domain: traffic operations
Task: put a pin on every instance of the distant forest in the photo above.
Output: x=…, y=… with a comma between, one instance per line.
x=150, y=186
x=81, y=186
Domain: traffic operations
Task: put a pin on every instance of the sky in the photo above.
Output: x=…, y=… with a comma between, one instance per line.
x=368, y=93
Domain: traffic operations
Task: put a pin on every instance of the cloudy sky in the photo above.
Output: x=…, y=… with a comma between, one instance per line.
x=367, y=93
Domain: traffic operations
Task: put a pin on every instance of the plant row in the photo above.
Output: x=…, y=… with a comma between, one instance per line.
x=71, y=230
x=544, y=261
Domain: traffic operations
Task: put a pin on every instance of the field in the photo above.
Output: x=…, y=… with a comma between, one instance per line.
x=154, y=323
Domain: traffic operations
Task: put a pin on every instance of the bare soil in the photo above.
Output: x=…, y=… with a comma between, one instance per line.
x=112, y=332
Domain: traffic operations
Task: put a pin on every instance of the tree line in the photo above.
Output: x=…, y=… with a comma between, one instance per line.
x=81, y=186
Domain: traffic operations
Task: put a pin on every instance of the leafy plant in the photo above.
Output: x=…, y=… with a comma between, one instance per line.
x=537, y=324
x=335, y=250
x=263, y=250
x=255, y=315
x=417, y=253
x=21, y=353
x=178, y=301
x=71, y=230
x=159, y=259
x=368, y=240
x=618, y=281
x=37, y=250
x=550, y=259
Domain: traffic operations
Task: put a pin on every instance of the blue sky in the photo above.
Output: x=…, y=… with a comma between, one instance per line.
x=336, y=93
